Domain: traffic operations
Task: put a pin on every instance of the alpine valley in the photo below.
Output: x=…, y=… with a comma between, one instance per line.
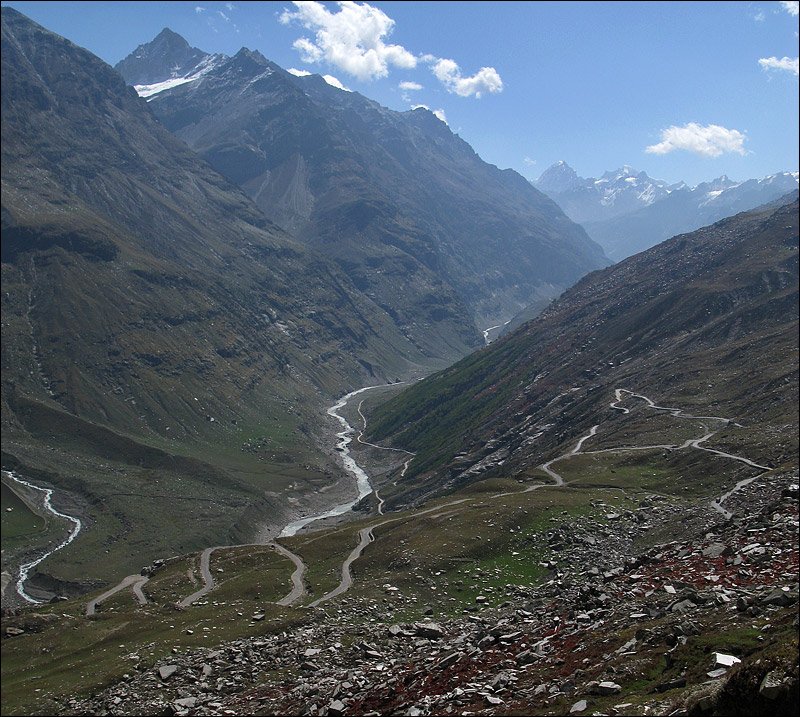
x=309, y=410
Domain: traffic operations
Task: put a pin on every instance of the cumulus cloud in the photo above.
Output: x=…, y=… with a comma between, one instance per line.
x=352, y=39
x=708, y=141
x=791, y=6
x=298, y=73
x=334, y=82
x=484, y=80
x=787, y=64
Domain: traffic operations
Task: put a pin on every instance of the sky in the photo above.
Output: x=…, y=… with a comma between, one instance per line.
x=682, y=90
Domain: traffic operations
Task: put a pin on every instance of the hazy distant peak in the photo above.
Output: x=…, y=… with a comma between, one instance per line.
x=559, y=177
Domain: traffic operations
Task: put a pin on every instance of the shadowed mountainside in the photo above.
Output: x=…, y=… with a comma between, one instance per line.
x=151, y=313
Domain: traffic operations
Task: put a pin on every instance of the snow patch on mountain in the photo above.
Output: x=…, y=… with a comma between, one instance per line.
x=206, y=65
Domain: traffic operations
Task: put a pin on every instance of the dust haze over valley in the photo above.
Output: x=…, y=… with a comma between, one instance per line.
x=308, y=409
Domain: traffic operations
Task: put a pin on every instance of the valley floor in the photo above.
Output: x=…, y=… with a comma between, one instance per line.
x=582, y=590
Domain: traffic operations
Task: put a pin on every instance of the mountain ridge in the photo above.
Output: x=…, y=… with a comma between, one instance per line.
x=374, y=186
x=149, y=305
x=648, y=323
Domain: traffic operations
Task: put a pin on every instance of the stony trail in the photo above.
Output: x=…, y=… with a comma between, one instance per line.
x=366, y=534
x=135, y=582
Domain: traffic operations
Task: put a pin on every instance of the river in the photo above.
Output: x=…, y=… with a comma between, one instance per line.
x=363, y=485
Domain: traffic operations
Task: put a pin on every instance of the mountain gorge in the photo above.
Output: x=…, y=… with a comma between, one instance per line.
x=157, y=318
x=422, y=224
x=626, y=211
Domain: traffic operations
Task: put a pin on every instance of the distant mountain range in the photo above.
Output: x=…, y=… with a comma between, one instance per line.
x=707, y=320
x=626, y=211
x=445, y=242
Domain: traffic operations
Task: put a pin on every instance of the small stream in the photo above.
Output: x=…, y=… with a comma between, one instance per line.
x=26, y=568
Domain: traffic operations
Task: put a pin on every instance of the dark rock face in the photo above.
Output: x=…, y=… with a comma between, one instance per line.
x=435, y=234
x=167, y=56
x=111, y=222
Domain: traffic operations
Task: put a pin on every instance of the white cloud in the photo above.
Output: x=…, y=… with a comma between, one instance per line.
x=352, y=39
x=760, y=16
x=298, y=73
x=707, y=141
x=334, y=82
x=231, y=7
x=530, y=162
x=791, y=6
x=449, y=74
x=788, y=64
x=199, y=9
x=309, y=52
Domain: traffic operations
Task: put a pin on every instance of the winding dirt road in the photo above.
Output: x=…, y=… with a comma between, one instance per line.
x=135, y=582
x=298, y=585
x=366, y=535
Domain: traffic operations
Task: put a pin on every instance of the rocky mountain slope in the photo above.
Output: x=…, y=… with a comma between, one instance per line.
x=423, y=225
x=626, y=211
x=705, y=319
x=596, y=601
x=162, y=340
x=167, y=59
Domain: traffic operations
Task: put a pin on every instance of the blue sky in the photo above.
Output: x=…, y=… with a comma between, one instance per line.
x=684, y=91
